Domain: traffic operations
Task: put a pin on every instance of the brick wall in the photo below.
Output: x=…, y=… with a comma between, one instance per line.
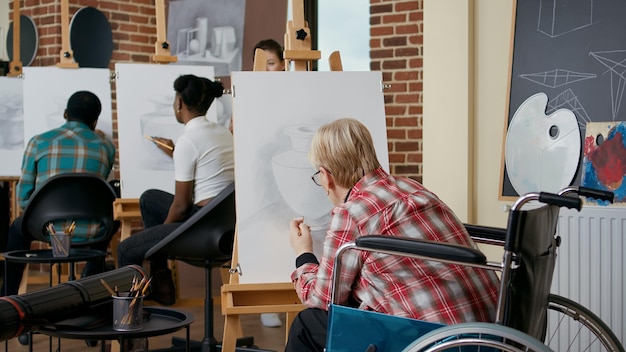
x=133, y=24
x=396, y=50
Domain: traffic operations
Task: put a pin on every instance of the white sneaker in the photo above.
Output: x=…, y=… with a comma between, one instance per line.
x=271, y=320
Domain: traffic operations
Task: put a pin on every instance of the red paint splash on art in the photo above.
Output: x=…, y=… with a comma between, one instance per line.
x=609, y=161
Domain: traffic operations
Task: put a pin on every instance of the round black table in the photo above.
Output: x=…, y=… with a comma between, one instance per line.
x=45, y=256
x=160, y=321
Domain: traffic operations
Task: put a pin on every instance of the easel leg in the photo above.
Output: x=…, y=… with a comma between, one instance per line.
x=232, y=329
x=289, y=317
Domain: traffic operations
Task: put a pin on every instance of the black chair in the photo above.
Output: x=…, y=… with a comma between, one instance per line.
x=68, y=197
x=205, y=240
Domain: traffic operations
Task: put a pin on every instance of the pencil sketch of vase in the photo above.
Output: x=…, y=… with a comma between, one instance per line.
x=55, y=118
x=11, y=122
x=292, y=171
x=160, y=123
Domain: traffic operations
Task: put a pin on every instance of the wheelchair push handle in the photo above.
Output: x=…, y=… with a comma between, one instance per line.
x=561, y=201
x=590, y=193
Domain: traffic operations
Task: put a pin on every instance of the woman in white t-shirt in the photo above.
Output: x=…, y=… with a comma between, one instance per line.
x=203, y=166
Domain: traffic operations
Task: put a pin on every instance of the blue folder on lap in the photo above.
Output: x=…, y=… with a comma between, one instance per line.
x=351, y=329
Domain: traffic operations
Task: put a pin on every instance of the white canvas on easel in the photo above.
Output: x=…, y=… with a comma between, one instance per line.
x=11, y=126
x=275, y=115
x=145, y=98
x=47, y=89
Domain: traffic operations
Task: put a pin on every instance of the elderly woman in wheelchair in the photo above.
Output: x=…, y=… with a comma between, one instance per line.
x=368, y=201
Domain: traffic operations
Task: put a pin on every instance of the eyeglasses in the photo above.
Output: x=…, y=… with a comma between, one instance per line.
x=315, y=178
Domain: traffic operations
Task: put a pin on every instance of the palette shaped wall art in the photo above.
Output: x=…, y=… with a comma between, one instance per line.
x=542, y=150
x=275, y=117
x=604, y=159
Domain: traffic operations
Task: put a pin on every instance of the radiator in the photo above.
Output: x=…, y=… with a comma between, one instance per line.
x=591, y=264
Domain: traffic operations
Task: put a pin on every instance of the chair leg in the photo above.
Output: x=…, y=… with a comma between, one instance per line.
x=209, y=343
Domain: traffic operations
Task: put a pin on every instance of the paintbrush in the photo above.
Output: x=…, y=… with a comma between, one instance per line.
x=104, y=283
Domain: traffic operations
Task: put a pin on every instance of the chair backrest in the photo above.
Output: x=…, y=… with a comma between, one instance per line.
x=71, y=197
x=207, y=235
x=529, y=286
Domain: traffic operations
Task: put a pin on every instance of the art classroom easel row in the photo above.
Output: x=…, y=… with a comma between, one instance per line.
x=237, y=299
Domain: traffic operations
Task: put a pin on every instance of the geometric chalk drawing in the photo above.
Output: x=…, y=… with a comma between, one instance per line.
x=557, y=77
x=569, y=100
x=615, y=61
x=559, y=17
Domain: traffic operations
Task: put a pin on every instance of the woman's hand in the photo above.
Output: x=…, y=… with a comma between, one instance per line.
x=300, y=236
x=166, y=145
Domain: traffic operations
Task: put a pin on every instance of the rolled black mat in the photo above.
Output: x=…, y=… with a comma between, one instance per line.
x=20, y=313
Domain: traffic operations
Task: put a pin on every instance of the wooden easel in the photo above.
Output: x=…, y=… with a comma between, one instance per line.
x=66, y=56
x=162, y=53
x=238, y=299
x=15, y=67
x=126, y=210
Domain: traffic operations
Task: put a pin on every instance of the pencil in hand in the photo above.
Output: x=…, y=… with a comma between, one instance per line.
x=151, y=139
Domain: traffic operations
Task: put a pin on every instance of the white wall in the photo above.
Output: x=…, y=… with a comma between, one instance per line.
x=466, y=71
x=448, y=103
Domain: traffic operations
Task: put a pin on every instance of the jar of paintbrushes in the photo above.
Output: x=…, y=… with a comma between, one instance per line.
x=60, y=240
x=128, y=306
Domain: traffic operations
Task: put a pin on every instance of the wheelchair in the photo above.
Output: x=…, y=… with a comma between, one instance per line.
x=525, y=311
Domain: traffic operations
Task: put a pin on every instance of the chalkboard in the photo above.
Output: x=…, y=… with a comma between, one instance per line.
x=575, y=52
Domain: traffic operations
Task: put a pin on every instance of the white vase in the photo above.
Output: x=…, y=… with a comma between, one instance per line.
x=160, y=123
x=293, y=171
x=202, y=25
x=11, y=123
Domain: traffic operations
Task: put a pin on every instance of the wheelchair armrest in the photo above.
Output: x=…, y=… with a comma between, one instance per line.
x=431, y=249
x=482, y=233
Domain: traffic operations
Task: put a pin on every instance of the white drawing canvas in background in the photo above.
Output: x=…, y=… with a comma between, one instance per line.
x=145, y=100
x=47, y=89
x=275, y=116
x=11, y=126
x=204, y=32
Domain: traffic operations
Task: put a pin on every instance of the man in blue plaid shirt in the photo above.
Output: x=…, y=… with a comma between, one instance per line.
x=74, y=147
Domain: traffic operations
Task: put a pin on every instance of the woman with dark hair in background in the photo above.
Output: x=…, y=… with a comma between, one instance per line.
x=203, y=167
x=274, y=52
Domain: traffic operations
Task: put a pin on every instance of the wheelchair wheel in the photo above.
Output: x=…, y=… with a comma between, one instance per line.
x=572, y=327
x=502, y=338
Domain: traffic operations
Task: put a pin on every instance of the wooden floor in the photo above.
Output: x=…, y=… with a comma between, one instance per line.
x=191, y=286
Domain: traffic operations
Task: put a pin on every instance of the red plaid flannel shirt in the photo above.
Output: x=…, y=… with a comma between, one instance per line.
x=425, y=290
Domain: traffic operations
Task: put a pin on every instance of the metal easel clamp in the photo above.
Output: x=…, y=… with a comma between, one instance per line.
x=236, y=270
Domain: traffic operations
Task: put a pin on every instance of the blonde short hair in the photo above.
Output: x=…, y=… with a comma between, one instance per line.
x=345, y=148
